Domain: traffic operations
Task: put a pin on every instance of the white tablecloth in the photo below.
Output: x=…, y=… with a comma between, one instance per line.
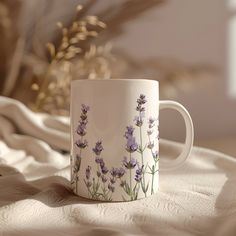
x=35, y=196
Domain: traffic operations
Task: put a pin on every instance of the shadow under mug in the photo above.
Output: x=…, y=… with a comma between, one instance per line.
x=115, y=138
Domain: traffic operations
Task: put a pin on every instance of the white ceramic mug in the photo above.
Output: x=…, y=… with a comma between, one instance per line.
x=115, y=138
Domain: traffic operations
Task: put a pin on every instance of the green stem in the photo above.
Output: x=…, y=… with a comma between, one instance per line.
x=76, y=183
x=141, y=151
x=89, y=191
x=98, y=177
x=130, y=178
x=71, y=168
x=104, y=192
x=149, y=139
x=94, y=190
x=153, y=171
x=152, y=191
x=76, y=175
x=80, y=152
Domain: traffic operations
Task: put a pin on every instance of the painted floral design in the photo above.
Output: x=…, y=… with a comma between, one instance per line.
x=81, y=143
x=155, y=154
x=130, y=164
x=102, y=186
x=141, y=101
x=131, y=175
x=138, y=168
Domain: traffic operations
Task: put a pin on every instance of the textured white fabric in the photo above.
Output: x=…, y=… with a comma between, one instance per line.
x=35, y=196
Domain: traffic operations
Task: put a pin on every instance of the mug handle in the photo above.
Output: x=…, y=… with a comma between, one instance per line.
x=189, y=134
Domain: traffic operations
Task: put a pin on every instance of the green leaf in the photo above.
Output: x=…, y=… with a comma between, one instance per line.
x=97, y=186
x=156, y=171
x=142, y=186
x=136, y=196
x=144, y=147
x=134, y=188
x=94, y=187
x=127, y=189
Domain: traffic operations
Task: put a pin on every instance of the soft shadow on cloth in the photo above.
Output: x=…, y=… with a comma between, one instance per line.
x=226, y=200
x=36, y=199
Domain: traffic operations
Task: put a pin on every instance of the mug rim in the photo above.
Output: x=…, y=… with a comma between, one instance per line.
x=115, y=79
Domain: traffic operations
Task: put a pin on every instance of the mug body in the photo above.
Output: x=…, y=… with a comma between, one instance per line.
x=114, y=139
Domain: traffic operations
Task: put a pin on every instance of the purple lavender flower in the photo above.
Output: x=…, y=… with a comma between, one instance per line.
x=112, y=180
x=81, y=144
x=88, y=172
x=131, y=145
x=129, y=164
x=102, y=163
x=129, y=131
x=81, y=129
x=139, y=119
x=138, y=178
x=113, y=172
x=150, y=145
x=104, y=179
x=141, y=101
x=151, y=122
x=117, y=172
x=120, y=172
x=98, y=160
x=104, y=170
x=98, y=148
x=155, y=155
x=139, y=172
x=84, y=108
x=149, y=132
x=111, y=188
x=103, y=167
x=84, y=118
x=140, y=108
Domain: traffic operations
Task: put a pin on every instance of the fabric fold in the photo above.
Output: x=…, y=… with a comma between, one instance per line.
x=199, y=198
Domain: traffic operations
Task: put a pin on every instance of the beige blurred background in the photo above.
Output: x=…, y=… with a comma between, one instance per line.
x=187, y=45
x=193, y=32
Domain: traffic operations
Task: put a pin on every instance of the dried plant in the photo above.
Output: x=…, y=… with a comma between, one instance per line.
x=8, y=43
x=79, y=50
x=68, y=61
x=82, y=58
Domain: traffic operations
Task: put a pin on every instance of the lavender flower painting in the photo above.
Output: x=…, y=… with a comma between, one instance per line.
x=102, y=186
x=137, y=168
x=81, y=143
x=135, y=176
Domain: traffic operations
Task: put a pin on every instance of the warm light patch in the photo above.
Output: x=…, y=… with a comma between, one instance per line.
x=232, y=48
